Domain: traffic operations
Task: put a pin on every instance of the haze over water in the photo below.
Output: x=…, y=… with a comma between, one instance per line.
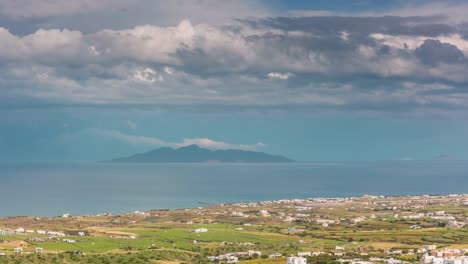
x=46, y=189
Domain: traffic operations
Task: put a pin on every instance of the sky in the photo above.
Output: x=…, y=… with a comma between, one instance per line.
x=334, y=80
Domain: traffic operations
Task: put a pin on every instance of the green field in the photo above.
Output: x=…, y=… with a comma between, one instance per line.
x=167, y=237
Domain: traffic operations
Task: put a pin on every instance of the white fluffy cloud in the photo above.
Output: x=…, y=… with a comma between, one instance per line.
x=279, y=75
x=277, y=62
x=156, y=142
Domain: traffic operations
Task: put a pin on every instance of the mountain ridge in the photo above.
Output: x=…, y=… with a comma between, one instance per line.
x=195, y=154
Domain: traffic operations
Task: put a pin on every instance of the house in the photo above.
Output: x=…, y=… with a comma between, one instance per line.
x=36, y=239
x=232, y=259
x=358, y=219
x=2, y=254
x=421, y=250
x=5, y=233
x=201, y=230
x=354, y=261
x=296, y=260
x=42, y=232
x=39, y=250
x=275, y=255
x=455, y=224
x=252, y=253
x=54, y=233
x=18, y=250
x=430, y=247
x=141, y=213
x=325, y=221
x=19, y=230
x=240, y=214
x=393, y=261
x=449, y=253
x=304, y=254
x=264, y=213
x=395, y=252
x=81, y=233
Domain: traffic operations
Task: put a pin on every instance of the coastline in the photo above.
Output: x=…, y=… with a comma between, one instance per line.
x=323, y=201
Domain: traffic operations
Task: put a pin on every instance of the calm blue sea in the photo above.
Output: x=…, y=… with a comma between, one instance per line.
x=47, y=189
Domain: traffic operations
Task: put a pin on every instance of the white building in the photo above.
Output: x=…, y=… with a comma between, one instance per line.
x=5, y=233
x=325, y=221
x=275, y=255
x=296, y=260
x=317, y=253
x=201, y=230
x=39, y=250
x=430, y=247
x=264, y=213
x=232, y=259
x=252, y=253
x=236, y=213
x=18, y=250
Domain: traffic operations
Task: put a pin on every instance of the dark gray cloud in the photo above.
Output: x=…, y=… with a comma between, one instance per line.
x=433, y=52
x=330, y=25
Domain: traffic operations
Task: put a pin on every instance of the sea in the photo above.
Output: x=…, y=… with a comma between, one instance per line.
x=52, y=189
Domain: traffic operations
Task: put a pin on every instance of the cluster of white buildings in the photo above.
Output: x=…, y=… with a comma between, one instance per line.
x=233, y=257
x=19, y=250
x=371, y=261
x=140, y=213
x=445, y=260
x=296, y=260
x=21, y=230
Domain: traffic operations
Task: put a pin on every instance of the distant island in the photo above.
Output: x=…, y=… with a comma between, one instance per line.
x=194, y=153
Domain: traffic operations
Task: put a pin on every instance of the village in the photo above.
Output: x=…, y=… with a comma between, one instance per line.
x=430, y=229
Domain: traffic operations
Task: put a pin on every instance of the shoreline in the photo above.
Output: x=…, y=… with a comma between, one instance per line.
x=320, y=200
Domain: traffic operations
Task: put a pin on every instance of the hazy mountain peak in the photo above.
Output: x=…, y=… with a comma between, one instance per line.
x=194, y=153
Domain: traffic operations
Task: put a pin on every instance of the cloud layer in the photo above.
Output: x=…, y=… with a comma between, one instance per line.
x=411, y=62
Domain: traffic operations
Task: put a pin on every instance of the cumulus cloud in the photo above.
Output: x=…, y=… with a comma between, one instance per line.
x=279, y=75
x=92, y=16
x=320, y=61
x=156, y=142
